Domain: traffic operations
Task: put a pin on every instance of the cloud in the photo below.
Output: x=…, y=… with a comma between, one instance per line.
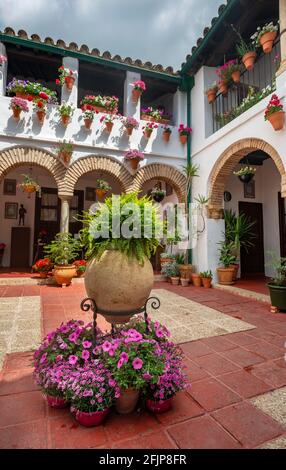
x=161, y=31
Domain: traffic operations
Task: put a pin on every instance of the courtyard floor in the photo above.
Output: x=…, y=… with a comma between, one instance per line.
x=238, y=393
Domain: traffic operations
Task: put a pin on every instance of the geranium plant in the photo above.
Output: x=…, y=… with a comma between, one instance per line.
x=80, y=266
x=88, y=117
x=274, y=113
x=96, y=102
x=66, y=77
x=31, y=90
x=157, y=114
x=65, y=111
x=149, y=128
x=18, y=105
x=139, y=85
x=130, y=123
x=184, y=130
x=65, y=150
x=43, y=265
x=134, y=154
x=3, y=59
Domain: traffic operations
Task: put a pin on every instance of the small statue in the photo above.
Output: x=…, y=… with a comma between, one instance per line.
x=22, y=212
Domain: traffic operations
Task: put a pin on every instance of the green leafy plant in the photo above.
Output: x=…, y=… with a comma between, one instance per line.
x=63, y=249
x=206, y=275
x=245, y=170
x=267, y=28
x=102, y=184
x=227, y=258
x=238, y=230
x=65, y=110
x=170, y=269
x=279, y=266
x=65, y=147
x=168, y=255
x=180, y=258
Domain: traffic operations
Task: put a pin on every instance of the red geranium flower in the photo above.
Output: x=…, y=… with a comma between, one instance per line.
x=58, y=81
x=30, y=98
x=43, y=95
x=40, y=104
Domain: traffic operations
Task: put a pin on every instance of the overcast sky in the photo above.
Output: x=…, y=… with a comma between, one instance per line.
x=162, y=31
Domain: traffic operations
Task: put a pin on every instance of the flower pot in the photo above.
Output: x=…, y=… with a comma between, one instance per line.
x=278, y=296
x=166, y=136
x=158, y=197
x=56, y=402
x=223, y=88
x=175, y=280
x=127, y=401
x=211, y=94
x=129, y=130
x=235, y=270
x=207, y=282
x=197, y=280
x=159, y=406
x=225, y=276
x=29, y=188
x=147, y=133
x=183, y=139
x=100, y=193
x=108, y=126
x=134, y=163
x=22, y=95
x=65, y=156
x=64, y=274
x=249, y=60
x=16, y=113
x=136, y=95
x=184, y=282
x=41, y=116
x=246, y=178
x=88, y=123
x=80, y=273
x=100, y=109
x=96, y=418
x=125, y=294
x=65, y=120
x=267, y=41
x=69, y=82
x=277, y=120
x=236, y=76
x=43, y=274
x=165, y=261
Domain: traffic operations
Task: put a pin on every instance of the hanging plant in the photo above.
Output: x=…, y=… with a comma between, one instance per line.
x=130, y=123
x=167, y=131
x=18, y=105
x=66, y=112
x=211, y=92
x=88, y=117
x=158, y=194
x=102, y=188
x=66, y=77
x=148, y=129
x=264, y=37
x=108, y=120
x=29, y=186
x=184, y=132
x=235, y=70
x=274, y=113
x=65, y=151
x=138, y=87
x=40, y=107
x=245, y=174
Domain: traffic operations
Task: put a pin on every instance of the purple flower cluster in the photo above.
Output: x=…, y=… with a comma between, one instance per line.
x=156, y=113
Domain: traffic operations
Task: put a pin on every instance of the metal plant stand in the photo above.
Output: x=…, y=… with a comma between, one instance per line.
x=88, y=304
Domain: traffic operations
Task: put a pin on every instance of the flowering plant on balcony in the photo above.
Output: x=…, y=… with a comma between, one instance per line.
x=130, y=122
x=224, y=71
x=19, y=104
x=108, y=121
x=158, y=114
x=100, y=103
x=166, y=129
x=40, y=107
x=274, y=106
x=134, y=154
x=43, y=265
x=30, y=90
x=65, y=150
x=246, y=170
x=3, y=59
x=264, y=35
x=66, y=77
x=139, y=85
x=17, y=86
x=65, y=111
x=184, y=130
x=80, y=265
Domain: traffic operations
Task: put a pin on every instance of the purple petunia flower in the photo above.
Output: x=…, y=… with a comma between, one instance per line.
x=73, y=337
x=73, y=360
x=147, y=376
x=86, y=344
x=106, y=346
x=137, y=363
x=124, y=357
x=43, y=358
x=85, y=355
x=120, y=363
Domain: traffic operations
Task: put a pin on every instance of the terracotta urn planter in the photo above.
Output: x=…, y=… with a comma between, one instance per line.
x=100, y=193
x=16, y=113
x=56, y=402
x=95, y=418
x=65, y=120
x=249, y=60
x=125, y=293
x=159, y=406
x=225, y=276
x=184, y=282
x=136, y=95
x=41, y=116
x=134, y=162
x=108, y=127
x=175, y=280
x=183, y=139
x=236, y=76
x=127, y=401
x=267, y=41
x=197, y=280
x=129, y=130
x=69, y=82
x=64, y=274
x=88, y=123
x=65, y=156
x=277, y=120
x=207, y=282
x=148, y=133
x=166, y=136
x=223, y=88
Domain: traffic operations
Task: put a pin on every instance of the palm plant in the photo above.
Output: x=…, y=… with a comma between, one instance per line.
x=238, y=230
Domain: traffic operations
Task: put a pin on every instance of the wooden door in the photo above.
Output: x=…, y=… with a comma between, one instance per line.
x=252, y=260
x=282, y=224
x=20, y=247
x=47, y=215
x=76, y=209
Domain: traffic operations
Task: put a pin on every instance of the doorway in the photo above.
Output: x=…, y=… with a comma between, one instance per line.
x=252, y=260
x=282, y=224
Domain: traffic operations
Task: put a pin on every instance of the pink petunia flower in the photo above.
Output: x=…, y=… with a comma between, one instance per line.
x=73, y=360
x=85, y=355
x=106, y=346
x=137, y=363
x=86, y=344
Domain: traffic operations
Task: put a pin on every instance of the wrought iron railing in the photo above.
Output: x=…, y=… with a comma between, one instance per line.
x=254, y=85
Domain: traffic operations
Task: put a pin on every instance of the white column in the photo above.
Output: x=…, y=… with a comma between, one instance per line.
x=282, y=22
x=130, y=108
x=71, y=96
x=3, y=71
x=65, y=213
x=179, y=108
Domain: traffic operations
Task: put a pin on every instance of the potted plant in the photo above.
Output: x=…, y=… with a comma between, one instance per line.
x=167, y=258
x=158, y=114
x=138, y=87
x=134, y=157
x=2, y=249
x=277, y=285
x=264, y=37
x=18, y=105
x=102, y=188
x=53, y=378
x=224, y=75
x=100, y=104
x=158, y=194
x=66, y=77
x=196, y=279
x=63, y=249
x=211, y=92
x=108, y=121
x=40, y=108
x=130, y=123
x=66, y=112
x=171, y=270
x=31, y=90
x=80, y=267
x=43, y=266
x=167, y=131
x=226, y=259
x=29, y=185
x=247, y=53
x=88, y=117
x=235, y=70
x=206, y=277
x=65, y=151
x=3, y=59
x=184, y=132
x=245, y=173
x=123, y=251
x=148, y=129
x=274, y=113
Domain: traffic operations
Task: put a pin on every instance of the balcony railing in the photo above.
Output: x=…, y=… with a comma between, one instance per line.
x=253, y=87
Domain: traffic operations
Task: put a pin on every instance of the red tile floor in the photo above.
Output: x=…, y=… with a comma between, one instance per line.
x=225, y=371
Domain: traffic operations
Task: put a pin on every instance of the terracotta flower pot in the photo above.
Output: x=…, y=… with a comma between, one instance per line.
x=65, y=120
x=24, y=96
x=175, y=280
x=225, y=276
x=64, y=274
x=207, y=282
x=95, y=418
x=166, y=136
x=88, y=123
x=184, y=282
x=235, y=270
x=236, y=76
x=69, y=82
x=41, y=116
x=108, y=126
x=159, y=406
x=183, y=139
x=136, y=95
x=134, y=162
x=223, y=88
x=65, y=156
x=148, y=133
x=211, y=94
x=43, y=274
x=277, y=120
x=29, y=188
x=197, y=280
x=16, y=113
x=249, y=60
x=129, y=130
x=127, y=401
x=267, y=41
x=100, y=193
x=56, y=402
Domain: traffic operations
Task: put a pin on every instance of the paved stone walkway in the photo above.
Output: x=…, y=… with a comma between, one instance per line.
x=238, y=385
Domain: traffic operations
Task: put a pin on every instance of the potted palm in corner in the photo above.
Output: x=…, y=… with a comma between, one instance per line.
x=63, y=249
x=227, y=259
x=277, y=285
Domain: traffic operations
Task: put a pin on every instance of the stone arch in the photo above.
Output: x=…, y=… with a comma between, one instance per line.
x=163, y=172
x=225, y=165
x=97, y=163
x=16, y=156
